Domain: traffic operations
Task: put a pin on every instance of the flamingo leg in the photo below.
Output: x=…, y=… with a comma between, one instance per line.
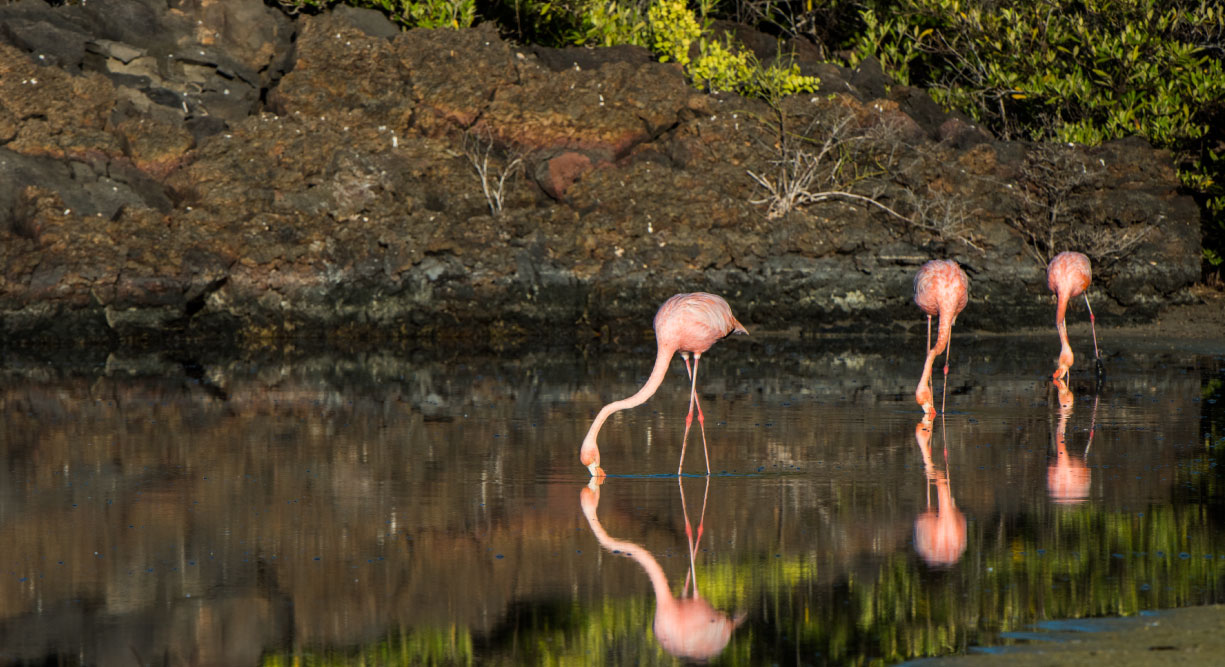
x=689, y=417
x=701, y=417
x=688, y=373
x=1092, y=327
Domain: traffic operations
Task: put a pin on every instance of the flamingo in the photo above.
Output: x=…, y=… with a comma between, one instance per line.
x=1068, y=276
x=1068, y=478
x=940, y=534
x=940, y=288
x=687, y=626
x=686, y=323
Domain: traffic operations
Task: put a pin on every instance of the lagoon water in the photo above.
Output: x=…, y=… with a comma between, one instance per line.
x=410, y=507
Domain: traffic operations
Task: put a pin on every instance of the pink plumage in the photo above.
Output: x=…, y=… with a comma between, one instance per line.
x=941, y=289
x=686, y=323
x=1068, y=276
x=1071, y=272
x=693, y=322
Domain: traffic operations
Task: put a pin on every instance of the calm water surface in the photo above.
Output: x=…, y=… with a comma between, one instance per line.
x=403, y=508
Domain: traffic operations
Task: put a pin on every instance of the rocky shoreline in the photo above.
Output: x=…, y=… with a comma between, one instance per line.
x=221, y=171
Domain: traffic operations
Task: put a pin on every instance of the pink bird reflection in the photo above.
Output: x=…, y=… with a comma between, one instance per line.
x=686, y=626
x=1068, y=478
x=939, y=534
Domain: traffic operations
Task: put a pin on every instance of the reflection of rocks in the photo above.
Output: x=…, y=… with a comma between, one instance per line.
x=222, y=630
x=146, y=188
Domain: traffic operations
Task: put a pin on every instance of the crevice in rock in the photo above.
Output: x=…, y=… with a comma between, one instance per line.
x=197, y=303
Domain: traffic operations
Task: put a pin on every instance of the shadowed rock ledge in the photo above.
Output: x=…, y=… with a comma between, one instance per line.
x=221, y=171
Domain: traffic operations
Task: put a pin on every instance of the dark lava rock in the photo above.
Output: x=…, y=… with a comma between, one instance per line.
x=218, y=170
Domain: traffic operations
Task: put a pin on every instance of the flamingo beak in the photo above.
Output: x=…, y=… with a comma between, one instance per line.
x=596, y=470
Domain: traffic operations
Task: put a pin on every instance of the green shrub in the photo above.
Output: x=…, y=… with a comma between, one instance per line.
x=719, y=65
x=453, y=14
x=673, y=30
x=608, y=23
x=572, y=22
x=1083, y=71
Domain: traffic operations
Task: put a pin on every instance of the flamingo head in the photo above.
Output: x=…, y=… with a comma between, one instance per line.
x=1065, y=362
x=923, y=396
x=590, y=456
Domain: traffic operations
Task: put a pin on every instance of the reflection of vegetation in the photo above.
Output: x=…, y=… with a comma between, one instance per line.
x=1211, y=388
x=430, y=646
x=1081, y=561
x=1046, y=563
x=1201, y=474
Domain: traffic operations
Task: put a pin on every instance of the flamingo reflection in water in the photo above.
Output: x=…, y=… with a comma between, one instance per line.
x=1068, y=478
x=939, y=534
x=686, y=626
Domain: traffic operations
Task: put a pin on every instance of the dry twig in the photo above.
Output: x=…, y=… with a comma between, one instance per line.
x=478, y=150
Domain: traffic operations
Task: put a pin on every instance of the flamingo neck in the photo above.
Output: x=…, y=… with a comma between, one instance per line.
x=590, y=453
x=942, y=340
x=945, y=332
x=1065, y=349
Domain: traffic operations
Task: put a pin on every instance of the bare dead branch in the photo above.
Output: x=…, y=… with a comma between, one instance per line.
x=478, y=150
x=839, y=160
x=1051, y=179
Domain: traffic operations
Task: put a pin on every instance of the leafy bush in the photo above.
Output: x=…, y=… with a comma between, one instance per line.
x=454, y=14
x=719, y=65
x=1083, y=71
x=572, y=22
